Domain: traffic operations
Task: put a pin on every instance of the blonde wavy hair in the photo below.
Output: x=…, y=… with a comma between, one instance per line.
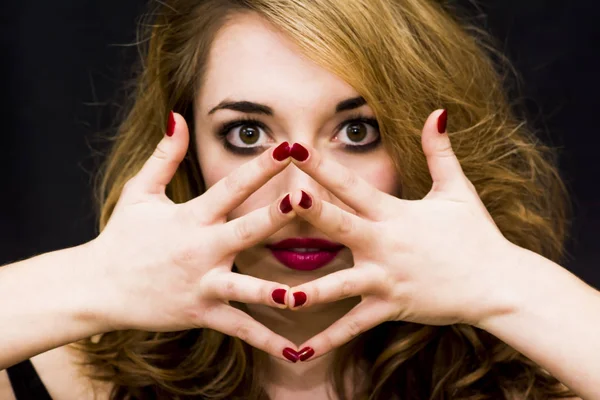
x=406, y=58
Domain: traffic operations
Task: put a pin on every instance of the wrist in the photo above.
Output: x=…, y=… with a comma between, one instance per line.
x=508, y=285
x=526, y=281
x=47, y=302
x=89, y=304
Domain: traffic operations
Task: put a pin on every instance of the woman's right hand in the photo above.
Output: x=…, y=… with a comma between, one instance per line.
x=167, y=267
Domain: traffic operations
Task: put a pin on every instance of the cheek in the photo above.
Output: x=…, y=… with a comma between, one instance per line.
x=215, y=165
x=382, y=175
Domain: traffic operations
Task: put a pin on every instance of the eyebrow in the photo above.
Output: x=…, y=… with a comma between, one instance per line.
x=256, y=108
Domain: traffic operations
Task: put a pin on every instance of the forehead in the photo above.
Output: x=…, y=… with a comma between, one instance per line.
x=251, y=60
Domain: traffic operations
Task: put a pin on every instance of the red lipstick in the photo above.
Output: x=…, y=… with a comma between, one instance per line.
x=305, y=254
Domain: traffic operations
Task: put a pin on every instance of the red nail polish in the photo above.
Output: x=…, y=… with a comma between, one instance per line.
x=299, y=299
x=290, y=354
x=285, y=206
x=282, y=151
x=305, y=201
x=306, y=353
x=278, y=296
x=299, y=152
x=171, y=124
x=441, y=123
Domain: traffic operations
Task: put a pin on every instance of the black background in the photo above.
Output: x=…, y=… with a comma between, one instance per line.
x=63, y=66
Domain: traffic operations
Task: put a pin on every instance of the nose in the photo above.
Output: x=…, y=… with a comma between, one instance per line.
x=293, y=178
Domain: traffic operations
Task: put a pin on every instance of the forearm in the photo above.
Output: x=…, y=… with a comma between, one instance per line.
x=45, y=302
x=554, y=320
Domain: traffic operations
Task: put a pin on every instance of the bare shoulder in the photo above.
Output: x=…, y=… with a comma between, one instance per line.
x=62, y=376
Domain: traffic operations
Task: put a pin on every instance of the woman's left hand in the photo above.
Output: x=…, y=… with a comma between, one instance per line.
x=435, y=261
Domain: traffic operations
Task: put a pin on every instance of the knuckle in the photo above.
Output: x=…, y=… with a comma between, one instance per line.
x=316, y=294
x=345, y=224
x=233, y=183
x=227, y=290
x=329, y=343
x=197, y=315
x=353, y=328
x=194, y=215
x=242, y=230
x=242, y=331
x=270, y=346
x=348, y=181
x=185, y=255
x=346, y=288
x=264, y=294
x=160, y=152
x=265, y=342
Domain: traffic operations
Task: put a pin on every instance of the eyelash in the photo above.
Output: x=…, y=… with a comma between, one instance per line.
x=225, y=128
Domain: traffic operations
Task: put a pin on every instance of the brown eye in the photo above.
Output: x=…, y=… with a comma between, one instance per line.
x=249, y=134
x=356, y=132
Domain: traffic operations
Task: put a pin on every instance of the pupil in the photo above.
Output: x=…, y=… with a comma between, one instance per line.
x=249, y=135
x=356, y=132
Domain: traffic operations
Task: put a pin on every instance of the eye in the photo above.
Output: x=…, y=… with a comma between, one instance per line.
x=359, y=134
x=243, y=135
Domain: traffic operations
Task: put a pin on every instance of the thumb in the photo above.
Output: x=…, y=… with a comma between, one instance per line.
x=160, y=168
x=444, y=167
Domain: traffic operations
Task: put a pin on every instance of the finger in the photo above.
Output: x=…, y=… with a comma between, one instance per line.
x=232, y=190
x=236, y=323
x=248, y=230
x=366, y=315
x=343, y=182
x=355, y=281
x=444, y=167
x=231, y=286
x=340, y=225
x=160, y=168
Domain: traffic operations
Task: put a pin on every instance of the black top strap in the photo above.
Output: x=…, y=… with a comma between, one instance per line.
x=26, y=383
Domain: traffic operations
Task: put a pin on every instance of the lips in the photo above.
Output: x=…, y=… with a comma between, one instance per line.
x=305, y=254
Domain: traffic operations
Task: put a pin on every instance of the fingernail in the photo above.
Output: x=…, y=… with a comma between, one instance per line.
x=306, y=353
x=442, y=120
x=299, y=152
x=171, y=124
x=278, y=296
x=282, y=151
x=299, y=299
x=285, y=206
x=305, y=201
x=290, y=354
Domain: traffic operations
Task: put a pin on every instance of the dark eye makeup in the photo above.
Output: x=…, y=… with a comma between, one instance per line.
x=224, y=129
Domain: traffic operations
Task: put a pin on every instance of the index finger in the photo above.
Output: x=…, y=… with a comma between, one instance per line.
x=364, y=316
x=351, y=282
x=234, y=322
x=232, y=190
x=366, y=199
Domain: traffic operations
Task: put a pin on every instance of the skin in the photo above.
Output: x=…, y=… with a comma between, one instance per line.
x=399, y=250
x=303, y=97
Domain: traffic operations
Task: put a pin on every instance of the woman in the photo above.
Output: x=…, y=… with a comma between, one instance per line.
x=392, y=260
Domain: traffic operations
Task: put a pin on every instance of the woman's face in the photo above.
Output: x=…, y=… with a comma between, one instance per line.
x=251, y=62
